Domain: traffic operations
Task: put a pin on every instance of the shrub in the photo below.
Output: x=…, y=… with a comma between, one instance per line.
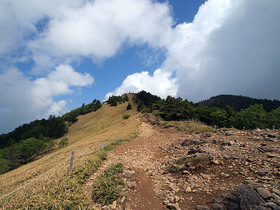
x=63, y=142
x=126, y=116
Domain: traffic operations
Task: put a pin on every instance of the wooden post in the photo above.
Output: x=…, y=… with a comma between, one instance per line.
x=118, y=140
x=71, y=161
x=102, y=147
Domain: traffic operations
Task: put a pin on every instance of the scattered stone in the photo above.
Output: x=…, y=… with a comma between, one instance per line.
x=271, y=135
x=276, y=191
x=262, y=172
x=271, y=205
x=128, y=174
x=188, y=189
x=199, y=207
x=114, y=205
x=243, y=197
x=188, y=142
x=228, y=133
x=186, y=172
x=215, y=162
x=217, y=206
x=131, y=185
x=205, y=176
x=174, y=206
x=225, y=175
x=264, y=193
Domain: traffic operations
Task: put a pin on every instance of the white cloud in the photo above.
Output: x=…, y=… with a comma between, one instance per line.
x=99, y=28
x=160, y=83
x=231, y=47
x=23, y=99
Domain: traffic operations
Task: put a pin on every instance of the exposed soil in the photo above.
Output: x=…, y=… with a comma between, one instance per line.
x=179, y=171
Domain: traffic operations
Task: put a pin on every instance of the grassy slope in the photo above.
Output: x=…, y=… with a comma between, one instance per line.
x=84, y=136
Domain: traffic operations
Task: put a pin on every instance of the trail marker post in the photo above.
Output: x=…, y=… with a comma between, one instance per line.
x=71, y=161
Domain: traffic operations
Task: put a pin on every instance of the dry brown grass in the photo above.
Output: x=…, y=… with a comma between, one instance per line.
x=188, y=126
x=104, y=125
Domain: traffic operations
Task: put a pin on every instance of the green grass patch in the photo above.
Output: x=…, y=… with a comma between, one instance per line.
x=126, y=116
x=108, y=185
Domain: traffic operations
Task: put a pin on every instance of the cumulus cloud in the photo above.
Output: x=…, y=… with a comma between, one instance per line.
x=24, y=99
x=160, y=83
x=231, y=47
x=99, y=28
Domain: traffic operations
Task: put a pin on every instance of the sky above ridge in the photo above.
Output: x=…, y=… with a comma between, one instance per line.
x=57, y=54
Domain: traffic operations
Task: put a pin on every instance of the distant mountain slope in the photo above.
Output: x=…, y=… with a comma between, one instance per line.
x=239, y=102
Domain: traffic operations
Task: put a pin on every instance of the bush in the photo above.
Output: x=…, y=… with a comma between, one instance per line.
x=126, y=116
x=63, y=142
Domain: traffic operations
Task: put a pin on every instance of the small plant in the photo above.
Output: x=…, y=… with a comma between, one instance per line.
x=108, y=186
x=126, y=116
x=63, y=142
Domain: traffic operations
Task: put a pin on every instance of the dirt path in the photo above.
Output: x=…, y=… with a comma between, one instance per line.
x=141, y=155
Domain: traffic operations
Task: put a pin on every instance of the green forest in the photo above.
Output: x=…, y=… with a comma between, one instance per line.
x=35, y=138
x=252, y=117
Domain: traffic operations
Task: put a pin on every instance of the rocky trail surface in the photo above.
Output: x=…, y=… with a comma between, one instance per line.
x=166, y=168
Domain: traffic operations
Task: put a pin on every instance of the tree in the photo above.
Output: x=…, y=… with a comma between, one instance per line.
x=29, y=147
x=129, y=106
x=219, y=117
x=253, y=117
x=274, y=118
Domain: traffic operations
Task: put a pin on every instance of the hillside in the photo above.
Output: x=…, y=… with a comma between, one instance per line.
x=88, y=133
x=239, y=102
x=155, y=164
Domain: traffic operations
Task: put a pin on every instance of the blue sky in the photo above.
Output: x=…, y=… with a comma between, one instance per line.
x=57, y=54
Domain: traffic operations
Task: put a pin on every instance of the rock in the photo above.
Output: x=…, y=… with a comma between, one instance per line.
x=276, y=191
x=194, y=151
x=262, y=172
x=225, y=175
x=271, y=205
x=188, y=189
x=188, y=142
x=218, y=199
x=243, y=197
x=128, y=174
x=199, y=207
x=174, y=206
x=271, y=155
x=271, y=135
x=217, y=206
x=215, y=162
x=205, y=176
x=264, y=193
x=206, y=135
x=228, y=133
x=114, y=205
x=186, y=172
x=131, y=185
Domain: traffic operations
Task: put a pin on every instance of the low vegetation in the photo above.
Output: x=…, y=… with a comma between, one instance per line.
x=108, y=186
x=126, y=116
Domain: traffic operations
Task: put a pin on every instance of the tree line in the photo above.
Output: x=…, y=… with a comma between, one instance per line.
x=254, y=116
x=28, y=141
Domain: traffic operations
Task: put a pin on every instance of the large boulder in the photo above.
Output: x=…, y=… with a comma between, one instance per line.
x=243, y=197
